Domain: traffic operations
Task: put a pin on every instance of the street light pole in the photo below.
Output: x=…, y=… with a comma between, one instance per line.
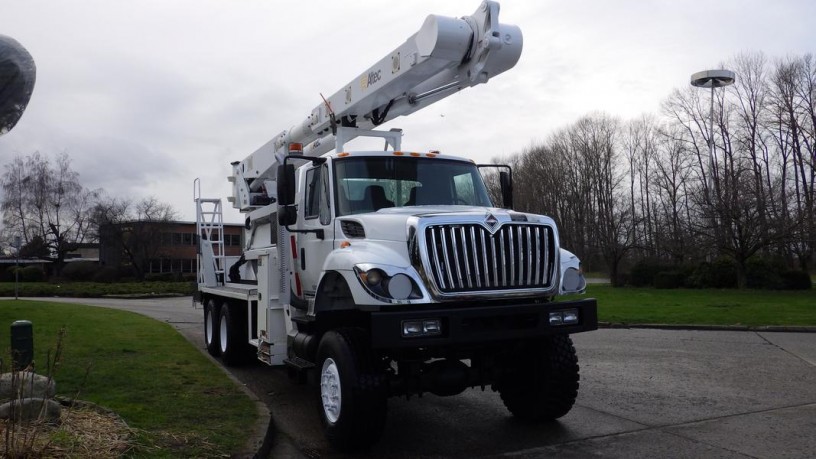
x=712, y=79
x=17, y=244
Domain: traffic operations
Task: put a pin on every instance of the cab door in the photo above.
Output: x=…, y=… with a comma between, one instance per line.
x=316, y=216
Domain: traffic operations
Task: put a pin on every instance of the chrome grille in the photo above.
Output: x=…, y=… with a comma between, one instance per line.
x=468, y=257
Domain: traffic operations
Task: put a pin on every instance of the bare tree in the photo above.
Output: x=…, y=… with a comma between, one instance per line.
x=595, y=141
x=574, y=177
x=45, y=200
x=792, y=92
x=652, y=188
x=130, y=232
x=673, y=212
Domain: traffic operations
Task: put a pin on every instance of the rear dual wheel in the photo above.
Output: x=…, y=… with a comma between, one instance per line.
x=232, y=335
x=212, y=312
x=225, y=332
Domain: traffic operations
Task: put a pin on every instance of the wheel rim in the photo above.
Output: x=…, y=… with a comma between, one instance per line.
x=208, y=327
x=330, y=390
x=223, y=330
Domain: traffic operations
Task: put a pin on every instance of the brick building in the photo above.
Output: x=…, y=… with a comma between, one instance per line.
x=161, y=247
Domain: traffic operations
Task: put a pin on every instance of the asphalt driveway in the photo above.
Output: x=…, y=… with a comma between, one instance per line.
x=644, y=393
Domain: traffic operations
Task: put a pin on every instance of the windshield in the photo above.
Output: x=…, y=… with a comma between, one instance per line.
x=367, y=184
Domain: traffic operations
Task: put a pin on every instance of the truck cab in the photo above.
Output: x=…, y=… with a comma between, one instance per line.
x=424, y=225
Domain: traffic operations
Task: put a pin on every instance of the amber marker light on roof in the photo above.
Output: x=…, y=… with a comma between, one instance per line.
x=343, y=155
x=398, y=153
x=414, y=154
x=431, y=155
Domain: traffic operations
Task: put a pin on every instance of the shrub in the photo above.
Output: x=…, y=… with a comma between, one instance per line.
x=7, y=274
x=764, y=273
x=106, y=274
x=643, y=273
x=669, y=279
x=160, y=277
x=32, y=274
x=722, y=273
x=96, y=289
x=80, y=270
x=796, y=280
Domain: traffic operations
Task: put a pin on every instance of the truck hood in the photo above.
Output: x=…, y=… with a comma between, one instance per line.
x=389, y=224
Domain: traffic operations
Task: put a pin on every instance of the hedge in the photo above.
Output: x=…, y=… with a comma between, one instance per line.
x=761, y=273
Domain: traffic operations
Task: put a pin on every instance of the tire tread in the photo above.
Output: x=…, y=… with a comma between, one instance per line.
x=543, y=383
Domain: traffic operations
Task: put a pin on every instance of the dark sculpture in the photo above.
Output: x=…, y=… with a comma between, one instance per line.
x=17, y=76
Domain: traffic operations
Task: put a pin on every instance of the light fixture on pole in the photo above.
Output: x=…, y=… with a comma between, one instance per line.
x=712, y=79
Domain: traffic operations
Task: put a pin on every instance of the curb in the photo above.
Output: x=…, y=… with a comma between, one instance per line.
x=744, y=328
x=259, y=437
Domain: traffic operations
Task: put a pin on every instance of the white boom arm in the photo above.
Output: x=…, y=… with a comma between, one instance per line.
x=446, y=55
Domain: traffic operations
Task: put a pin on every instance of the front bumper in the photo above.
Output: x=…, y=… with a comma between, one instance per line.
x=480, y=324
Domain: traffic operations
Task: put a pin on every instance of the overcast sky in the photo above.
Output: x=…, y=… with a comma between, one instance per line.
x=145, y=96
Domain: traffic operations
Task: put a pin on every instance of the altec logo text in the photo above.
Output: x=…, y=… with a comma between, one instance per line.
x=370, y=79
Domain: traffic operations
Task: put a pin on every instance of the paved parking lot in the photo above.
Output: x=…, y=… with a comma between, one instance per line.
x=644, y=393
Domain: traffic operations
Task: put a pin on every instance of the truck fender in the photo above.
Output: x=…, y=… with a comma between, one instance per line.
x=335, y=292
x=340, y=265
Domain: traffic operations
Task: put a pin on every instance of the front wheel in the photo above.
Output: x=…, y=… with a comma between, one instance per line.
x=353, y=396
x=541, y=382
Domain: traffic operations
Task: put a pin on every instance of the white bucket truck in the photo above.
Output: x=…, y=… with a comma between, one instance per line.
x=374, y=274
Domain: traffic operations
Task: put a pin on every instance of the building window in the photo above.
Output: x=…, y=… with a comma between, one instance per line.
x=187, y=266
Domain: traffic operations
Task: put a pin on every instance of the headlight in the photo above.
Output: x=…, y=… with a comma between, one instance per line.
x=572, y=281
x=400, y=287
x=384, y=287
x=572, y=276
x=373, y=277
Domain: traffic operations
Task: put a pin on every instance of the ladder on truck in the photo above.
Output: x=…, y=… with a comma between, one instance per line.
x=210, y=235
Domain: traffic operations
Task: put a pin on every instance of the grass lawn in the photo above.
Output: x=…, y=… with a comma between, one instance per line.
x=180, y=404
x=704, y=307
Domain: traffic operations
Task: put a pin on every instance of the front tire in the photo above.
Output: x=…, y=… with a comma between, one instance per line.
x=232, y=336
x=352, y=392
x=211, y=327
x=541, y=382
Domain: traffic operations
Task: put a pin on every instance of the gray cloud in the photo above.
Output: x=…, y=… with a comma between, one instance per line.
x=146, y=96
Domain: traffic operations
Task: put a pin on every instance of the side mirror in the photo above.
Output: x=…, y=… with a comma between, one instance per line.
x=287, y=210
x=286, y=184
x=287, y=215
x=506, y=182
